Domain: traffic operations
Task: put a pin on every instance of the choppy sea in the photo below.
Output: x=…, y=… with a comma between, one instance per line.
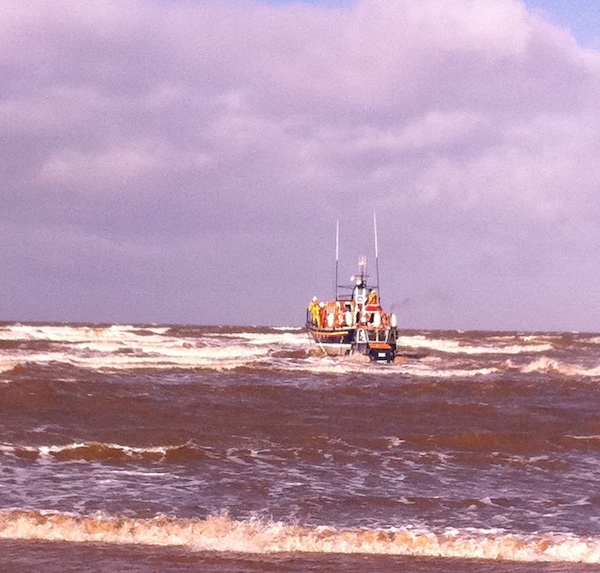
x=186, y=448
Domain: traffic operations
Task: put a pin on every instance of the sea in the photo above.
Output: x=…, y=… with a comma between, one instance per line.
x=150, y=448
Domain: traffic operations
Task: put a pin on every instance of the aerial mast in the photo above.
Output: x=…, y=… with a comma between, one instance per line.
x=337, y=254
x=376, y=254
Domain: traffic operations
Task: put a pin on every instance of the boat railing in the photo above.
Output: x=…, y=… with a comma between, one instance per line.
x=344, y=297
x=381, y=334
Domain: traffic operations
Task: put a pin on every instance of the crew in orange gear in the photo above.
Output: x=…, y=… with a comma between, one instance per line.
x=372, y=298
x=313, y=307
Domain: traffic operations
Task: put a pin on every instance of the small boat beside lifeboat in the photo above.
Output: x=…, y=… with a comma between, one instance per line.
x=355, y=322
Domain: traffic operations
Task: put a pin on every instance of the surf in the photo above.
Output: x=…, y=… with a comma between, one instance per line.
x=222, y=534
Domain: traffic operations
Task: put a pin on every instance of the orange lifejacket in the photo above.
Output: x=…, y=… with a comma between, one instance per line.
x=372, y=298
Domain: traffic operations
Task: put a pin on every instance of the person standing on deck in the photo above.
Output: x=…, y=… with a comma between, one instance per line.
x=313, y=307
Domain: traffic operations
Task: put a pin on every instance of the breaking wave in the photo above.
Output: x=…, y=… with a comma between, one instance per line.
x=223, y=534
x=109, y=453
x=27, y=348
x=493, y=345
x=551, y=366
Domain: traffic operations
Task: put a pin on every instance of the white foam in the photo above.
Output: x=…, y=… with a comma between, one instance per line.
x=125, y=347
x=88, y=450
x=450, y=373
x=454, y=346
x=260, y=339
x=223, y=534
x=62, y=333
x=8, y=364
x=551, y=366
x=120, y=347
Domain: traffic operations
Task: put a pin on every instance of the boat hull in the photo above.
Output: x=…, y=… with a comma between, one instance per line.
x=378, y=351
x=341, y=342
x=334, y=342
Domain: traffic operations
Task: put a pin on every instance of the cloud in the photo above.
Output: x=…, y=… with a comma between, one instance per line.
x=185, y=145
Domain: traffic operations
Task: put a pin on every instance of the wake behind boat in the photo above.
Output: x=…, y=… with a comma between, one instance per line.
x=356, y=322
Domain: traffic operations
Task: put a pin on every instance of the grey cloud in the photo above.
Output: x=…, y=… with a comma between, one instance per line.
x=168, y=149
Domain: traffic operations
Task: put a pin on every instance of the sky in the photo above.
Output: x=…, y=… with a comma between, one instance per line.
x=186, y=161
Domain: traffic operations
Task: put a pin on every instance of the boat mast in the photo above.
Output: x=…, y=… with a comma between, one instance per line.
x=337, y=253
x=376, y=254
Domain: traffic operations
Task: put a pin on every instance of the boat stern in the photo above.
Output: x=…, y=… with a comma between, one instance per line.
x=381, y=352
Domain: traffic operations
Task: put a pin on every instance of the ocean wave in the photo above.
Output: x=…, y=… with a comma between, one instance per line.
x=277, y=337
x=551, y=366
x=91, y=357
x=238, y=358
x=107, y=453
x=223, y=534
x=118, y=348
x=502, y=345
x=8, y=365
x=425, y=370
x=64, y=332
x=125, y=347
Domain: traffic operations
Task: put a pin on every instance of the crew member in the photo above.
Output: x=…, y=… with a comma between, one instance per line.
x=313, y=307
x=372, y=298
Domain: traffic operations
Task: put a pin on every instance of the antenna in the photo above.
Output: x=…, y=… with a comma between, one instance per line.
x=337, y=254
x=376, y=253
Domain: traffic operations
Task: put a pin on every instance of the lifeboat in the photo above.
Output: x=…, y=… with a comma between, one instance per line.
x=353, y=322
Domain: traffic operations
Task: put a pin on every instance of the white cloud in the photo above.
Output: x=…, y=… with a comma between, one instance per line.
x=108, y=170
x=470, y=126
